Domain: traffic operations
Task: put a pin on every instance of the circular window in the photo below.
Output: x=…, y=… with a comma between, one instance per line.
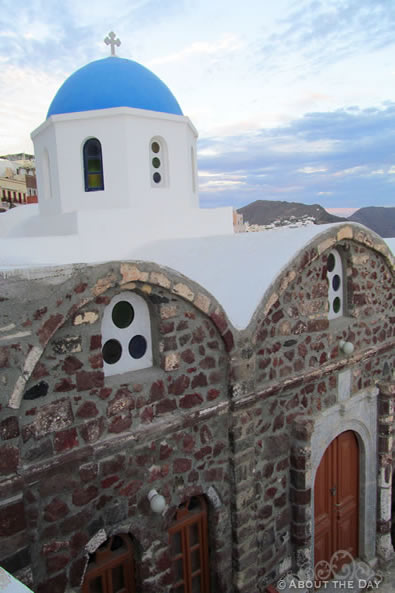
x=156, y=162
x=336, y=282
x=112, y=351
x=137, y=346
x=331, y=262
x=156, y=177
x=122, y=314
x=155, y=147
x=336, y=305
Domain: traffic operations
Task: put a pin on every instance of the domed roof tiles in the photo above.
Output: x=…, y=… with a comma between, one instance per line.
x=113, y=82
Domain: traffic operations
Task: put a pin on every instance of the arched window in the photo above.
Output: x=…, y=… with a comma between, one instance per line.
x=93, y=165
x=158, y=163
x=126, y=334
x=189, y=547
x=193, y=170
x=336, y=291
x=111, y=569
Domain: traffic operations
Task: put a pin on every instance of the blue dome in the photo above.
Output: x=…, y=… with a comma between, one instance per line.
x=113, y=82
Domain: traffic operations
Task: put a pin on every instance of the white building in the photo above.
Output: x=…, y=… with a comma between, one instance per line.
x=116, y=166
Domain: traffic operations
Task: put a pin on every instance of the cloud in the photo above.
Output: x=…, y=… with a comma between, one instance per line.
x=68, y=36
x=380, y=172
x=325, y=32
x=18, y=85
x=310, y=170
x=355, y=169
x=214, y=182
x=350, y=171
x=227, y=43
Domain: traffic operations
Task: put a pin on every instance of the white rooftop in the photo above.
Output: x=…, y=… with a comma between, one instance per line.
x=237, y=269
x=8, y=584
x=391, y=244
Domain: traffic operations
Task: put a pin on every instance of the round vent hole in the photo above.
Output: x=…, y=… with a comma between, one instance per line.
x=122, y=314
x=331, y=262
x=137, y=346
x=112, y=351
x=336, y=282
x=336, y=305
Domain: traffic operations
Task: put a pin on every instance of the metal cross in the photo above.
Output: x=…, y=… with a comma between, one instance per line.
x=110, y=40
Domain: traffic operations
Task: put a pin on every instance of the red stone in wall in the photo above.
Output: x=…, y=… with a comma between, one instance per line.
x=12, y=519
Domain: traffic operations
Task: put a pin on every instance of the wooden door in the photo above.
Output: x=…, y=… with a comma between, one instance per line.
x=189, y=549
x=336, y=499
x=111, y=568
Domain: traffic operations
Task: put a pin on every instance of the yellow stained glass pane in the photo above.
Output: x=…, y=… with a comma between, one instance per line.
x=94, y=180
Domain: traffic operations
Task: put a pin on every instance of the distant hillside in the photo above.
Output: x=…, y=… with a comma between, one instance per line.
x=265, y=212
x=379, y=219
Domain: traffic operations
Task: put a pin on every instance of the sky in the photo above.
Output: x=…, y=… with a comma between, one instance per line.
x=293, y=100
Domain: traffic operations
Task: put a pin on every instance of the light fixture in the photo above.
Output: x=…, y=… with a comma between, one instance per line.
x=157, y=501
x=346, y=347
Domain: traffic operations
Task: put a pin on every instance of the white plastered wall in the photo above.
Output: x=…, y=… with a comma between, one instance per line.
x=125, y=135
x=73, y=225
x=46, y=152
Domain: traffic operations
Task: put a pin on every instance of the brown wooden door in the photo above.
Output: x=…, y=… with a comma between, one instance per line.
x=189, y=549
x=336, y=499
x=111, y=569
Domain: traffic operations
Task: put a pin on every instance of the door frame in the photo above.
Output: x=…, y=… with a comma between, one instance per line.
x=359, y=414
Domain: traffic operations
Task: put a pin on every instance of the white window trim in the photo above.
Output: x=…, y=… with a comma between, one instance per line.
x=340, y=293
x=141, y=325
x=163, y=170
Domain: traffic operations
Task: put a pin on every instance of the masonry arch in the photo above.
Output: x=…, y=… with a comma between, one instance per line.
x=336, y=501
x=111, y=567
x=359, y=415
x=100, y=279
x=327, y=430
x=306, y=254
x=199, y=532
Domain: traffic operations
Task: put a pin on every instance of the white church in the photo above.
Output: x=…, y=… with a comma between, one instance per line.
x=116, y=167
x=182, y=409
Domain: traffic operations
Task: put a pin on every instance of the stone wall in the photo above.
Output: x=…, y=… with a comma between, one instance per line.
x=82, y=451
x=288, y=371
x=222, y=413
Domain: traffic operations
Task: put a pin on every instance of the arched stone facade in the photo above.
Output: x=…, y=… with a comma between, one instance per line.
x=312, y=436
x=240, y=416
